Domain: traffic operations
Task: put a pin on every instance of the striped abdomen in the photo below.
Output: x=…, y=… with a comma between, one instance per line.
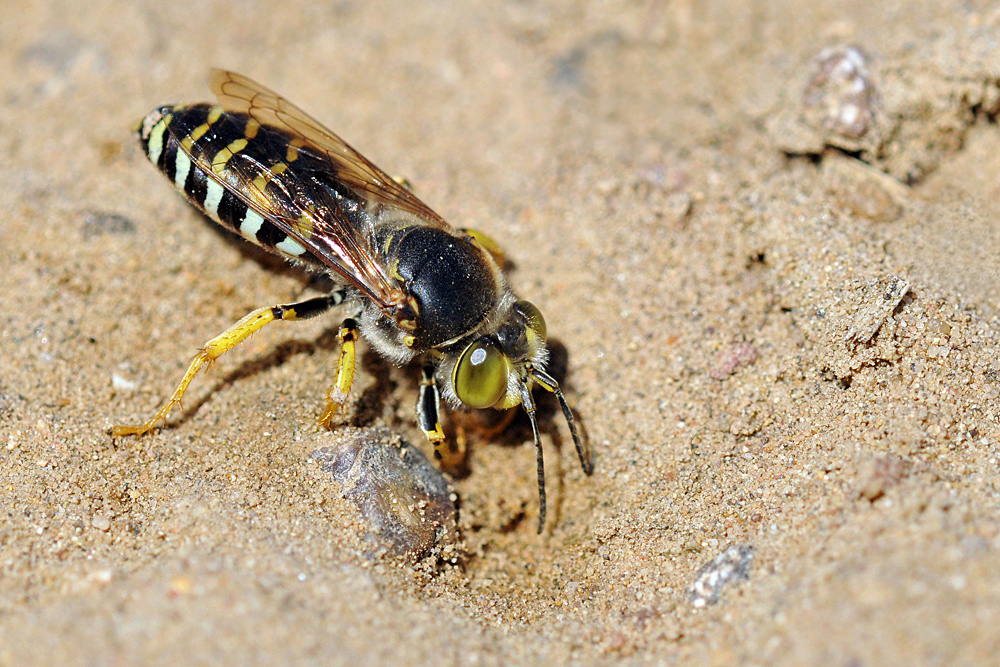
x=179, y=139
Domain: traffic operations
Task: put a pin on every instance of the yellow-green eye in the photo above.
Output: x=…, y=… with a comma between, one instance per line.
x=534, y=316
x=480, y=376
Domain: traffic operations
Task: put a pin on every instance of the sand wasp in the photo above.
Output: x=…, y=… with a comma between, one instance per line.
x=417, y=289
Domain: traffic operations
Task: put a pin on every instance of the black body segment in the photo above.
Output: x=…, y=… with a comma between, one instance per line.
x=186, y=136
x=454, y=288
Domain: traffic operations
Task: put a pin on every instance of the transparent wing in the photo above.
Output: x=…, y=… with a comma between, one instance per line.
x=238, y=94
x=300, y=199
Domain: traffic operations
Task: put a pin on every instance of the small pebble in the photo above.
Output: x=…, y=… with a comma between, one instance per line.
x=121, y=384
x=736, y=356
x=404, y=500
x=840, y=96
x=729, y=567
x=880, y=298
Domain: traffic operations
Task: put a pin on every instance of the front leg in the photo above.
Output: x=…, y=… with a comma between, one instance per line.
x=451, y=455
x=429, y=411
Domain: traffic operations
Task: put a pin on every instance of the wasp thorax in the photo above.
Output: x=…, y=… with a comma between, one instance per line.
x=450, y=285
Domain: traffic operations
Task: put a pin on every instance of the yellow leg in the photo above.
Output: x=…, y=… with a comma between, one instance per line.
x=337, y=395
x=404, y=182
x=489, y=245
x=226, y=341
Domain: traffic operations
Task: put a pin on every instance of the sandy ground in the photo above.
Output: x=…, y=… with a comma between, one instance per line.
x=777, y=290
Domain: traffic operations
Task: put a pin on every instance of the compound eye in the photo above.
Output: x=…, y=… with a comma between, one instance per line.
x=534, y=317
x=480, y=376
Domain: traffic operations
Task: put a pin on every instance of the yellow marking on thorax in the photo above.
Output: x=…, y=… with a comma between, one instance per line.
x=223, y=156
x=250, y=131
x=394, y=270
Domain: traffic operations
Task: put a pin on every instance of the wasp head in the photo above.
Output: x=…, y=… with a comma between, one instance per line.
x=497, y=370
x=494, y=369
